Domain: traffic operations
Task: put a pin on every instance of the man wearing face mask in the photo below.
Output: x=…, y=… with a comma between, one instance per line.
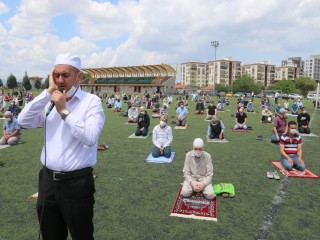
x=162, y=138
x=181, y=115
x=211, y=110
x=279, y=126
x=13, y=108
x=303, y=120
x=66, y=185
x=143, y=123
x=10, y=130
x=215, y=129
x=133, y=114
x=266, y=115
x=117, y=105
x=241, y=120
x=198, y=172
x=291, y=149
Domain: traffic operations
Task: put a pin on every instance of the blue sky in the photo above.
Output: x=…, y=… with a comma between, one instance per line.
x=130, y=32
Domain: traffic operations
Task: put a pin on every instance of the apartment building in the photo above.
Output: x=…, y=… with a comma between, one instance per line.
x=312, y=67
x=223, y=71
x=194, y=73
x=290, y=69
x=261, y=72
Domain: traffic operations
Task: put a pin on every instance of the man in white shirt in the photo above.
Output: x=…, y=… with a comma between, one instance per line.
x=133, y=114
x=73, y=126
x=162, y=138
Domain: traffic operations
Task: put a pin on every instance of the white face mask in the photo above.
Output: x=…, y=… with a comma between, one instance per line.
x=181, y=106
x=72, y=90
x=240, y=110
x=163, y=124
x=304, y=111
x=8, y=119
x=197, y=153
x=293, y=131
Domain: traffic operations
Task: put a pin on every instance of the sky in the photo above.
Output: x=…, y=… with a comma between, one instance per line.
x=143, y=32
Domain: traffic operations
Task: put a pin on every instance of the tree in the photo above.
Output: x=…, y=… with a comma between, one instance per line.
x=26, y=82
x=37, y=84
x=46, y=83
x=246, y=83
x=12, y=82
x=286, y=86
x=305, y=84
x=1, y=83
x=220, y=88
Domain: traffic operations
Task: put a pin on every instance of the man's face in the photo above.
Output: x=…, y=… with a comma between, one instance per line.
x=65, y=76
x=8, y=117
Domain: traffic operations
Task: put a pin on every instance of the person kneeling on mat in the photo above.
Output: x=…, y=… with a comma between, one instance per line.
x=291, y=149
x=198, y=172
x=215, y=129
x=143, y=123
x=241, y=120
x=303, y=120
x=162, y=138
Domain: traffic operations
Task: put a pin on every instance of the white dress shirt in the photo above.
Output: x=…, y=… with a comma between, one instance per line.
x=71, y=144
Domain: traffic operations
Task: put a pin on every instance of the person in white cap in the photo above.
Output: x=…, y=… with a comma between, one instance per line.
x=10, y=130
x=198, y=172
x=72, y=128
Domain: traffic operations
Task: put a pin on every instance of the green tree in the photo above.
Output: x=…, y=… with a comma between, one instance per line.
x=1, y=83
x=305, y=84
x=286, y=86
x=12, y=82
x=221, y=88
x=37, y=84
x=46, y=83
x=26, y=82
x=246, y=83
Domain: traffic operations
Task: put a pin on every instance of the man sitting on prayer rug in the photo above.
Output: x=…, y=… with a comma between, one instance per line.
x=198, y=172
x=181, y=115
x=266, y=115
x=303, y=120
x=133, y=114
x=215, y=129
x=279, y=126
x=199, y=107
x=211, y=110
x=10, y=130
x=162, y=138
x=143, y=123
x=241, y=120
x=291, y=149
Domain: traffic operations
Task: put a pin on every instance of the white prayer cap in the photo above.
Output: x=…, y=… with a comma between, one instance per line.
x=8, y=113
x=69, y=59
x=198, y=142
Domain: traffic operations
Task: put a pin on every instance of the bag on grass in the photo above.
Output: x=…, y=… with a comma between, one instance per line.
x=223, y=188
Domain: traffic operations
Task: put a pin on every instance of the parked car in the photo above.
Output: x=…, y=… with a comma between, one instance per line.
x=284, y=96
x=312, y=96
x=239, y=94
x=221, y=94
x=270, y=95
x=295, y=96
x=260, y=95
x=230, y=94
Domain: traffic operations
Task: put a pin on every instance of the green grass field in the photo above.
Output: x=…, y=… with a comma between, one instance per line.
x=134, y=198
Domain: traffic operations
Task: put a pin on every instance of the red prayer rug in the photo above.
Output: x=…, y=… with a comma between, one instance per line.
x=196, y=206
x=239, y=130
x=294, y=173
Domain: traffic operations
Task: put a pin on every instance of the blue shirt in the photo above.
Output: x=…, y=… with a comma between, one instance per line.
x=11, y=126
x=182, y=112
x=117, y=104
x=294, y=107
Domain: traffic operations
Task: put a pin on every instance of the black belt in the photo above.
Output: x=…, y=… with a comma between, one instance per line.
x=60, y=176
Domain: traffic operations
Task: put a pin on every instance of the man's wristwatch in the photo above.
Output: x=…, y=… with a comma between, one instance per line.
x=65, y=114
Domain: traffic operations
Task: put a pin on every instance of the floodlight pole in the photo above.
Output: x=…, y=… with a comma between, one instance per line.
x=317, y=96
x=215, y=44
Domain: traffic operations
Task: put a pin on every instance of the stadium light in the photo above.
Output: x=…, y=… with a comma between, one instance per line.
x=215, y=44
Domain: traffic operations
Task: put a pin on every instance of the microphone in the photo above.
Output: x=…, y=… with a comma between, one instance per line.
x=52, y=105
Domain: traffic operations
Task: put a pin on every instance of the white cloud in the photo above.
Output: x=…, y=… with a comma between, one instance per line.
x=3, y=8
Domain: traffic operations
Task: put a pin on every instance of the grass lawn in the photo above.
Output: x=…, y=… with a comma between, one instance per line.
x=134, y=198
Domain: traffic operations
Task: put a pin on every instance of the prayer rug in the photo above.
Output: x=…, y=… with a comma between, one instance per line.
x=130, y=124
x=156, y=115
x=217, y=140
x=239, y=130
x=181, y=127
x=294, y=173
x=198, y=114
x=307, y=135
x=134, y=136
x=4, y=146
x=2, y=118
x=160, y=159
x=207, y=120
x=196, y=206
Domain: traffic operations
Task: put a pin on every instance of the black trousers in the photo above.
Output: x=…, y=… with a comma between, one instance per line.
x=68, y=204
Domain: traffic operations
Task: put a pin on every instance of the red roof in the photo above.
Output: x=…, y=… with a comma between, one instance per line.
x=209, y=87
x=181, y=86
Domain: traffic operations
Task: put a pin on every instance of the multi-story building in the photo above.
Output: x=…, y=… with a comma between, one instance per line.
x=223, y=71
x=261, y=72
x=312, y=67
x=290, y=69
x=194, y=73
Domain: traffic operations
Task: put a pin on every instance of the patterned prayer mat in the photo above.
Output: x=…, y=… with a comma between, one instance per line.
x=160, y=159
x=134, y=136
x=294, y=173
x=181, y=127
x=308, y=135
x=239, y=130
x=197, y=207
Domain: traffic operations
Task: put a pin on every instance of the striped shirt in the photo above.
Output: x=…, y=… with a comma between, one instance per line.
x=290, y=145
